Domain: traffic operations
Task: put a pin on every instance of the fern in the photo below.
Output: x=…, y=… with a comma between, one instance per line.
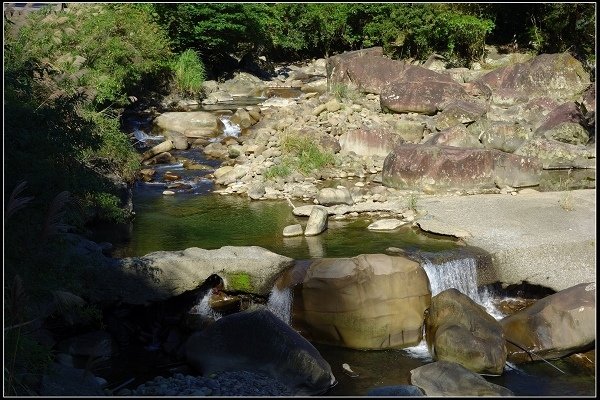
x=15, y=203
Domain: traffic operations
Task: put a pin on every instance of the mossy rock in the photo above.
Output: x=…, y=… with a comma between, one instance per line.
x=241, y=282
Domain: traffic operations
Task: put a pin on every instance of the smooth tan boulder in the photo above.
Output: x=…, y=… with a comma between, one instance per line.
x=553, y=327
x=163, y=147
x=460, y=330
x=179, y=121
x=371, y=301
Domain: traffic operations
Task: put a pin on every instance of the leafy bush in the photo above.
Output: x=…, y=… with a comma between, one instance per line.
x=66, y=75
x=189, y=72
x=215, y=29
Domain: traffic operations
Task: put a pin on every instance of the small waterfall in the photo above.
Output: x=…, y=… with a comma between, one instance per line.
x=230, y=129
x=142, y=137
x=280, y=303
x=460, y=274
x=204, y=309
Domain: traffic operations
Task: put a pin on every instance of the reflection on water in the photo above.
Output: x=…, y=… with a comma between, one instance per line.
x=211, y=221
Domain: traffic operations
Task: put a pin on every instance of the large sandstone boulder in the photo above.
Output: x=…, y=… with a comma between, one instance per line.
x=371, y=301
x=192, y=124
x=559, y=76
x=553, y=327
x=163, y=274
x=445, y=378
x=435, y=169
x=459, y=330
x=422, y=91
x=370, y=141
x=258, y=341
x=366, y=70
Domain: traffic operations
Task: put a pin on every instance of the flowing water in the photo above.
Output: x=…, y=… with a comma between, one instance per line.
x=196, y=217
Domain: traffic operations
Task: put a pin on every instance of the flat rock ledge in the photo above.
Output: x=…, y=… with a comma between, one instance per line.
x=532, y=238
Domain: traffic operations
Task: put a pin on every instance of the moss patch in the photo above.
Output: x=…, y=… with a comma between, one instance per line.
x=240, y=282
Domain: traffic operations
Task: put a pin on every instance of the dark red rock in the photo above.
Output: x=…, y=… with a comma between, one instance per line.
x=437, y=169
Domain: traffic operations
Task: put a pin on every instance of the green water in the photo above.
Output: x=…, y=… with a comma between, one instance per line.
x=211, y=221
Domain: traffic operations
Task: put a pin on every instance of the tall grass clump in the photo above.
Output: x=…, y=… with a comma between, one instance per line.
x=189, y=72
x=309, y=156
x=300, y=154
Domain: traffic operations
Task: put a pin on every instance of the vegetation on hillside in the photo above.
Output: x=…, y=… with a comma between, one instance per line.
x=67, y=77
x=288, y=31
x=69, y=74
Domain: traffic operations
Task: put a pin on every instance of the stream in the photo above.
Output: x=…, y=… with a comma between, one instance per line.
x=197, y=217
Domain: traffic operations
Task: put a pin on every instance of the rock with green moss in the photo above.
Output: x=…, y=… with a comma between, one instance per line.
x=163, y=274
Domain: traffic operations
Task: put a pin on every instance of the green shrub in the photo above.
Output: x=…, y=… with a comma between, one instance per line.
x=189, y=72
x=300, y=154
x=279, y=170
x=307, y=155
x=342, y=91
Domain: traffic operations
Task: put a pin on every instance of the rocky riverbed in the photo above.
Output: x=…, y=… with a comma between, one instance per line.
x=451, y=151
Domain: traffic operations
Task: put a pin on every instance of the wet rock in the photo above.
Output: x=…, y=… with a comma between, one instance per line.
x=170, y=176
x=444, y=378
x=386, y=224
x=159, y=148
x=460, y=330
x=162, y=158
x=67, y=381
x=147, y=174
x=396, y=391
x=442, y=228
x=93, y=344
x=292, y=230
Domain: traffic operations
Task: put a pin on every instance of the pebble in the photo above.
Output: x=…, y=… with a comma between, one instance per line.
x=234, y=383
